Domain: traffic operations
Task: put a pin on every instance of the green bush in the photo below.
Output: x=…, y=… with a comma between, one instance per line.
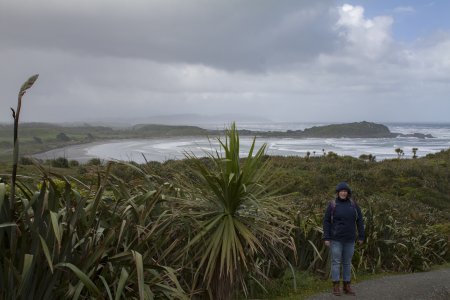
x=60, y=162
x=104, y=245
x=73, y=163
x=62, y=137
x=94, y=162
x=24, y=160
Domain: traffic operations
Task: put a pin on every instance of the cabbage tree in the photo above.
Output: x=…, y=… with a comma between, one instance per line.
x=234, y=221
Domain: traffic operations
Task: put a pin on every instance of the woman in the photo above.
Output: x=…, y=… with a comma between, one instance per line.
x=342, y=218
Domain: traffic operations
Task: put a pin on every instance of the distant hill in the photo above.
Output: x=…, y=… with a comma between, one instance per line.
x=168, y=130
x=347, y=130
x=179, y=119
x=350, y=130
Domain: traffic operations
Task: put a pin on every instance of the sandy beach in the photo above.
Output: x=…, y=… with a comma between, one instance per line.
x=73, y=152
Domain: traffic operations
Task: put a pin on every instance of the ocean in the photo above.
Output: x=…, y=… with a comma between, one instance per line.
x=141, y=150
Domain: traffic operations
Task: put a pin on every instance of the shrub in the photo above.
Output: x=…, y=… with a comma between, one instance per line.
x=24, y=160
x=74, y=163
x=94, y=162
x=62, y=137
x=60, y=162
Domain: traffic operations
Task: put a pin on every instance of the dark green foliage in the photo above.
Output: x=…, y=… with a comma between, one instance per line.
x=60, y=162
x=396, y=240
x=399, y=152
x=73, y=163
x=404, y=202
x=64, y=242
x=24, y=160
x=62, y=137
x=367, y=157
x=94, y=162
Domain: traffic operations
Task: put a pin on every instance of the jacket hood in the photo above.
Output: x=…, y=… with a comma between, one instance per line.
x=343, y=186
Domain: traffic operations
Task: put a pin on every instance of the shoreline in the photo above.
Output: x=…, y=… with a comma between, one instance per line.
x=162, y=149
x=72, y=152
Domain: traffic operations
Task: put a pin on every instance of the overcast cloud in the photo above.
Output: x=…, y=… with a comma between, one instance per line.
x=283, y=60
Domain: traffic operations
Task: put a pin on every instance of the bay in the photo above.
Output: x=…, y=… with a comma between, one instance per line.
x=141, y=150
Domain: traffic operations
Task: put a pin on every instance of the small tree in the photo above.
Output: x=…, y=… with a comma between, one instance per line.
x=414, y=151
x=60, y=162
x=364, y=157
x=62, y=137
x=236, y=222
x=399, y=152
x=94, y=162
x=367, y=157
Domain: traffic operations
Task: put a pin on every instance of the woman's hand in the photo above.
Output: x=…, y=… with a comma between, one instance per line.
x=327, y=243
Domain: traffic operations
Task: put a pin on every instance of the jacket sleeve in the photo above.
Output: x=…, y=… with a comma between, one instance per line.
x=327, y=224
x=360, y=224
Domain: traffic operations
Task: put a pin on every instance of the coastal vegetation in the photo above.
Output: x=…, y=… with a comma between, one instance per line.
x=127, y=230
x=218, y=227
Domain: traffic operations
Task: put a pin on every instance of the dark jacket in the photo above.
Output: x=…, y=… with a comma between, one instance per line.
x=346, y=218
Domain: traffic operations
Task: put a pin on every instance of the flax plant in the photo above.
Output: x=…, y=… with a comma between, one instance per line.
x=397, y=245
x=16, y=115
x=233, y=221
x=105, y=244
x=65, y=240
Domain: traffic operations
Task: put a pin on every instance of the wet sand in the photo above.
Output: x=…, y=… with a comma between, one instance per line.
x=72, y=152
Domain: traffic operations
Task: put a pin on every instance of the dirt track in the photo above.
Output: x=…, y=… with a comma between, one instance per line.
x=426, y=286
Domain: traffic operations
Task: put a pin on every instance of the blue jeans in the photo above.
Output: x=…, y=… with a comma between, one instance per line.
x=341, y=253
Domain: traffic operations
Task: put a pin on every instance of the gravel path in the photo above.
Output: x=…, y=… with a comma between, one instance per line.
x=426, y=286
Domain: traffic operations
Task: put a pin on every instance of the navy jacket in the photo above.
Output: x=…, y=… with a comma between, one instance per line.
x=345, y=221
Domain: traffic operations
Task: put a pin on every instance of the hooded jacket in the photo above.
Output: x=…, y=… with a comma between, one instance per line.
x=341, y=224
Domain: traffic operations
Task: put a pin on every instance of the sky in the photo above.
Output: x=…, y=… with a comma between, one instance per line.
x=283, y=61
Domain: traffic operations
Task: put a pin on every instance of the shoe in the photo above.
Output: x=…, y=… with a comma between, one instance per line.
x=336, y=288
x=348, y=289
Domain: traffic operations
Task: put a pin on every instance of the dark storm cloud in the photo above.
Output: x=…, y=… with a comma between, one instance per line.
x=233, y=35
x=285, y=60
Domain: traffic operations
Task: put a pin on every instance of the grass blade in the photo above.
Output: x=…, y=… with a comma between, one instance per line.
x=106, y=287
x=122, y=280
x=2, y=194
x=140, y=272
x=83, y=277
x=46, y=253
x=28, y=260
x=55, y=225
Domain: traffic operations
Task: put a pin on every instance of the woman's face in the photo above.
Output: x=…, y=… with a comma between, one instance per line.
x=343, y=194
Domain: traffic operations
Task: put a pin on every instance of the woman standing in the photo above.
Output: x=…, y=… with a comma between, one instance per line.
x=342, y=218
